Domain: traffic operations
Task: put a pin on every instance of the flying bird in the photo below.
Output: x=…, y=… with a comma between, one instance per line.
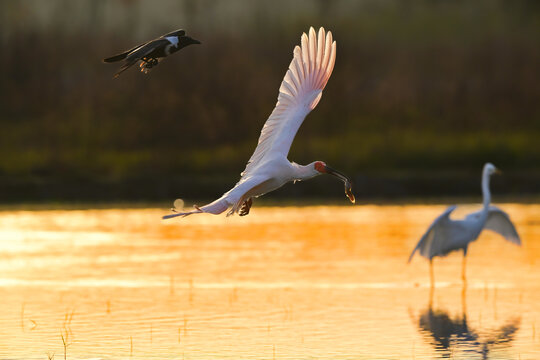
x=446, y=235
x=150, y=52
x=268, y=168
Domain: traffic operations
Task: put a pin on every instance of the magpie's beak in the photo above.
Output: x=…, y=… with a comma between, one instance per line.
x=346, y=181
x=187, y=40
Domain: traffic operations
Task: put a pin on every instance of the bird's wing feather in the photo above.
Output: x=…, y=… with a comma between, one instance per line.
x=232, y=197
x=122, y=55
x=431, y=240
x=178, y=32
x=140, y=48
x=139, y=52
x=146, y=49
x=300, y=91
x=499, y=222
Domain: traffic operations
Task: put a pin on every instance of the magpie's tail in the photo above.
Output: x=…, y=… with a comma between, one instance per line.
x=117, y=57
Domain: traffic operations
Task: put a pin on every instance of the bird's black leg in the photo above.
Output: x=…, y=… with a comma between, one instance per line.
x=246, y=206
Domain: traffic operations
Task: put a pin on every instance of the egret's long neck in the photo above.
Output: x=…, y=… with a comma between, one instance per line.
x=485, y=189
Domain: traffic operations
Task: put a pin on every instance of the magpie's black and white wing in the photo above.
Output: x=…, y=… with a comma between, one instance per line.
x=140, y=52
x=177, y=33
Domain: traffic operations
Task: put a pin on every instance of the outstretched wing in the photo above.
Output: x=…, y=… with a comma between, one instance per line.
x=499, y=222
x=432, y=242
x=300, y=91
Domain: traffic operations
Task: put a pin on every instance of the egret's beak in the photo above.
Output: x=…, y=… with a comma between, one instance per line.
x=497, y=171
x=346, y=181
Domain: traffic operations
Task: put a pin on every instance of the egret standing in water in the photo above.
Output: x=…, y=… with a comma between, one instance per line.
x=268, y=168
x=446, y=235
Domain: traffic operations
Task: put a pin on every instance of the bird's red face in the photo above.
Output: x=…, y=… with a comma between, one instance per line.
x=320, y=167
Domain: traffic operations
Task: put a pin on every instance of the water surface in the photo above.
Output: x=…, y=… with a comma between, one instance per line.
x=281, y=283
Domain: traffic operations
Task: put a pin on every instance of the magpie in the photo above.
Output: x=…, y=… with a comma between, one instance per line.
x=149, y=53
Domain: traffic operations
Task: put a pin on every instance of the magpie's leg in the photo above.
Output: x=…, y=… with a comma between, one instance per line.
x=150, y=62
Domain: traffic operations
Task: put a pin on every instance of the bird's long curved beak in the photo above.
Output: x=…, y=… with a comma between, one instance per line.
x=196, y=41
x=346, y=181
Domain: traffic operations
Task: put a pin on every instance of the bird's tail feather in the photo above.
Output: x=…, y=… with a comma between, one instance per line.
x=124, y=67
x=116, y=57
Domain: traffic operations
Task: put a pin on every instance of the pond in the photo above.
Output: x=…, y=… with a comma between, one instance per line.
x=282, y=283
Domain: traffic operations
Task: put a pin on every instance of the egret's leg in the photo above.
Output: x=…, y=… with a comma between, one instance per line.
x=463, y=267
x=464, y=301
x=431, y=277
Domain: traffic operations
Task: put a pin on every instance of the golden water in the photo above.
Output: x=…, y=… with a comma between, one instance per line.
x=281, y=283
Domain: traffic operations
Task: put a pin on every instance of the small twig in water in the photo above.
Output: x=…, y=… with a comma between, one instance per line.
x=64, y=341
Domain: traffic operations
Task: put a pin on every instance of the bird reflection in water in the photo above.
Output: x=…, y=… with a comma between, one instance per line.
x=450, y=336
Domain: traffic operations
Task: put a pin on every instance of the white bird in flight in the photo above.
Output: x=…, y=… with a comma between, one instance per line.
x=268, y=168
x=446, y=235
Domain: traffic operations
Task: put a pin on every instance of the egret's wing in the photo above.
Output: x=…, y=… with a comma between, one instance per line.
x=230, y=198
x=499, y=222
x=300, y=91
x=432, y=241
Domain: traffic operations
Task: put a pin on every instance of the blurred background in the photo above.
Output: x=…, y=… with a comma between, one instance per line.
x=422, y=95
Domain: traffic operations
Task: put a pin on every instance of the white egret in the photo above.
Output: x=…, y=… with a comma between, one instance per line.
x=446, y=235
x=268, y=168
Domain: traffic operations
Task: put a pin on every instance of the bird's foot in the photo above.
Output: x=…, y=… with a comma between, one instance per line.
x=147, y=63
x=143, y=67
x=246, y=206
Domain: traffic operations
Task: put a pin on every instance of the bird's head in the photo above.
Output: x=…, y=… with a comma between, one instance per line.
x=490, y=169
x=322, y=168
x=186, y=40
